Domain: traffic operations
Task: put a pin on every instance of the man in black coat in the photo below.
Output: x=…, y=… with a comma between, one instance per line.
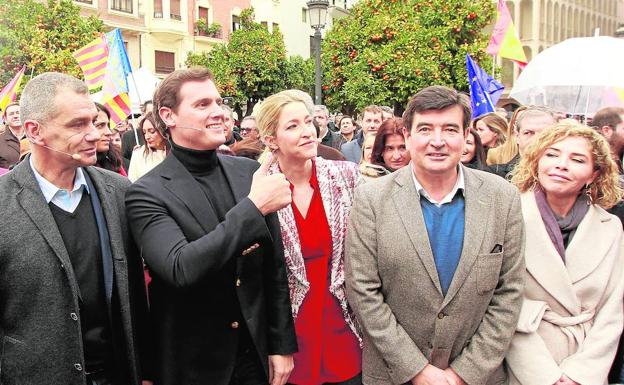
x=72, y=296
x=207, y=230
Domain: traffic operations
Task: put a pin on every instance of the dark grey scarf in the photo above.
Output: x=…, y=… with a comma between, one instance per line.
x=561, y=230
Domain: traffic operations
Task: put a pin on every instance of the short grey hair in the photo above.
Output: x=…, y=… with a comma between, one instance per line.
x=246, y=118
x=533, y=111
x=37, y=101
x=322, y=108
x=387, y=109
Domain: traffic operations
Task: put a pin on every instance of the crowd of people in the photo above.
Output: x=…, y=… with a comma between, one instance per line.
x=296, y=247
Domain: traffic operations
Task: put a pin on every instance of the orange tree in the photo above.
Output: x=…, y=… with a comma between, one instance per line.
x=387, y=50
x=253, y=65
x=42, y=36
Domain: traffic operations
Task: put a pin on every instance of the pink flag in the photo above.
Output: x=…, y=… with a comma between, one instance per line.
x=504, y=41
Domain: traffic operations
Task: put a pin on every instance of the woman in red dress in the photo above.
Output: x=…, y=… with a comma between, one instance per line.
x=313, y=230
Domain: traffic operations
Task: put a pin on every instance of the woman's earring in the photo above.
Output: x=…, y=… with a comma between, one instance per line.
x=590, y=200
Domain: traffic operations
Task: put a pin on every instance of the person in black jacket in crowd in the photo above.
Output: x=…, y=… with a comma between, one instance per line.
x=208, y=233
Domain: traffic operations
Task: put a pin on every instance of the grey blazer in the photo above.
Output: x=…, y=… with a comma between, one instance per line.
x=39, y=296
x=393, y=285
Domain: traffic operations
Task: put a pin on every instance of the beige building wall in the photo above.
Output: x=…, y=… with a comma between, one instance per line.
x=543, y=23
x=146, y=30
x=291, y=16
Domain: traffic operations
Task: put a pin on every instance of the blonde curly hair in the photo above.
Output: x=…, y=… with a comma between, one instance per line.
x=605, y=190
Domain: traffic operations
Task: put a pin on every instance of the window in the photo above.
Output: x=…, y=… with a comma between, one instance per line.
x=175, y=13
x=203, y=13
x=84, y=1
x=203, y=16
x=265, y=24
x=158, y=9
x=235, y=23
x=121, y=5
x=165, y=62
x=304, y=15
x=275, y=26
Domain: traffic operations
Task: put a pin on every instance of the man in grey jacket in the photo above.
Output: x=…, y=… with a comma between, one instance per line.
x=73, y=302
x=434, y=258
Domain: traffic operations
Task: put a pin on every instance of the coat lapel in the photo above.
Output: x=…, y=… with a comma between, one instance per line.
x=475, y=219
x=593, y=239
x=240, y=181
x=334, y=208
x=542, y=260
x=181, y=183
x=32, y=201
x=290, y=239
x=407, y=204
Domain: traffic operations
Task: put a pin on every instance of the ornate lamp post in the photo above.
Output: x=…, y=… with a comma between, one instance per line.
x=317, y=9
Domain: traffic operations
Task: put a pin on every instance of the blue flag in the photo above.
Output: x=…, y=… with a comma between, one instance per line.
x=116, y=47
x=484, y=90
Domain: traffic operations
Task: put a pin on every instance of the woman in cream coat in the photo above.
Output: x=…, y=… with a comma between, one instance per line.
x=572, y=314
x=154, y=151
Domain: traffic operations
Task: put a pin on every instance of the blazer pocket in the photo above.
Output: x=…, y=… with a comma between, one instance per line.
x=488, y=271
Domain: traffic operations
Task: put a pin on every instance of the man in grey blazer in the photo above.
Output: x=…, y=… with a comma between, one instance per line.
x=434, y=258
x=72, y=294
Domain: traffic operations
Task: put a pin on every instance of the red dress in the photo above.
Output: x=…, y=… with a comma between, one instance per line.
x=328, y=349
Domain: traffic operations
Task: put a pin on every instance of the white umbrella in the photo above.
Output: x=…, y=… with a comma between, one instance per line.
x=578, y=76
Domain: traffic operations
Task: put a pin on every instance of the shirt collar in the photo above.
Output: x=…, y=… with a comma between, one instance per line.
x=49, y=190
x=459, y=185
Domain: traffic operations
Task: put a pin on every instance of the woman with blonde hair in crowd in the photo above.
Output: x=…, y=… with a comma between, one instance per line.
x=492, y=130
x=368, y=170
x=572, y=313
x=150, y=154
x=313, y=231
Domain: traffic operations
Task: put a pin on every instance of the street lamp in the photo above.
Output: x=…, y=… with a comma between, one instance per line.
x=317, y=9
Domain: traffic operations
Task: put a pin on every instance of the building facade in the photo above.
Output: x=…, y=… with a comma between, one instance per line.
x=291, y=17
x=159, y=34
x=543, y=23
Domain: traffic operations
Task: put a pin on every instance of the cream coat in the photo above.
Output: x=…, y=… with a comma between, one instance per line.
x=572, y=313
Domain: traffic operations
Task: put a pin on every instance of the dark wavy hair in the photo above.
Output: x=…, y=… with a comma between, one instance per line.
x=149, y=117
x=478, y=160
x=110, y=160
x=392, y=126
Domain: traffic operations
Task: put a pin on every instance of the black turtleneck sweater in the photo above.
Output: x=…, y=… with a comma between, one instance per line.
x=205, y=167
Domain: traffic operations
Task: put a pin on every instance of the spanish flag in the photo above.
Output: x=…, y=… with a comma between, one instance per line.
x=505, y=41
x=9, y=92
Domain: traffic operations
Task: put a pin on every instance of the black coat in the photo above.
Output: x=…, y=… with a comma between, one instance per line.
x=39, y=294
x=208, y=275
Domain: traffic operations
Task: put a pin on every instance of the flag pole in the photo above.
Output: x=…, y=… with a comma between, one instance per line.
x=493, y=66
x=136, y=136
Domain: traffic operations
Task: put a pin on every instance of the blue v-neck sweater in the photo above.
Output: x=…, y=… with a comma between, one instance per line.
x=445, y=227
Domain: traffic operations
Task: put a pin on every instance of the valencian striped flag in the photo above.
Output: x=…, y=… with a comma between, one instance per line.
x=92, y=59
x=504, y=41
x=115, y=89
x=9, y=92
